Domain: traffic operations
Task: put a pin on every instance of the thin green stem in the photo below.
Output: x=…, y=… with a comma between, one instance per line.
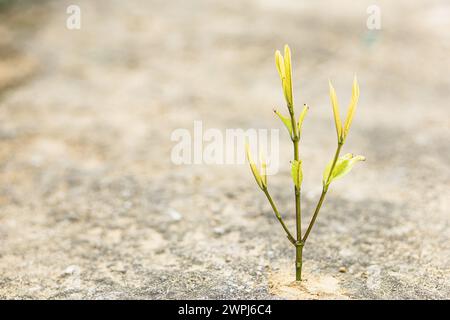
x=298, y=261
x=277, y=214
x=336, y=157
x=316, y=212
x=324, y=192
x=298, y=208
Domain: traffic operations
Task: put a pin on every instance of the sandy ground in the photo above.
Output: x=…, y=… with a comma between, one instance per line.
x=92, y=207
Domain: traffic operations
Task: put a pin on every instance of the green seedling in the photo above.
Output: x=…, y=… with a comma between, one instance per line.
x=336, y=168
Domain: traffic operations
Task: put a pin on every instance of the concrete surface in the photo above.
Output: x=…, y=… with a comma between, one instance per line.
x=91, y=206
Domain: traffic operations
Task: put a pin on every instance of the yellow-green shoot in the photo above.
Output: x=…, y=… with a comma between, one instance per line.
x=336, y=168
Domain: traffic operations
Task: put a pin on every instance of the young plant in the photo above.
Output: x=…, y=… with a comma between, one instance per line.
x=336, y=168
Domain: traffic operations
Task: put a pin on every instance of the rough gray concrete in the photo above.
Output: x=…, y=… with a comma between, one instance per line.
x=92, y=207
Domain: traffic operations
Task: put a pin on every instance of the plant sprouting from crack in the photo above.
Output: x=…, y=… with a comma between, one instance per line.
x=336, y=168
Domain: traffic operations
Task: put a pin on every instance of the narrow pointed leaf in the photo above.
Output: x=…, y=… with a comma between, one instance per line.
x=337, y=117
x=253, y=166
x=297, y=174
x=288, y=71
x=263, y=169
x=279, y=62
x=351, y=107
x=287, y=121
x=301, y=118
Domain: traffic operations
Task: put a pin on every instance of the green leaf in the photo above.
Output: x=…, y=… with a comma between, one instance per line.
x=337, y=116
x=287, y=121
x=351, y=107
x=343, y=166
x=253, y=167
x=297, y=174
x=263, y=162
x=288, y=70
x=301, y=118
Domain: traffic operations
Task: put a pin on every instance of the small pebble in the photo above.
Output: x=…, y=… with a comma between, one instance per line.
x=219, y=230
x=174, y=215
x=71, y=270
x=342, y=269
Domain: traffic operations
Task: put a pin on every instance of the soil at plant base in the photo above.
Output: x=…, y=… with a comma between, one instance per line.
x=313, y=286
x=92, y=207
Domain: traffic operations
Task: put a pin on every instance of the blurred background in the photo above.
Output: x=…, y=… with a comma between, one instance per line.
x=91, y=205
